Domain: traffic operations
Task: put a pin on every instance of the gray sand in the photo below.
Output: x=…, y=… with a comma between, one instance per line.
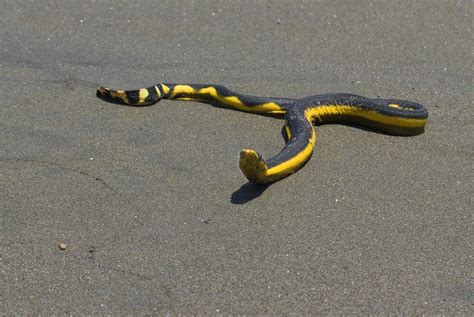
x=153, y=207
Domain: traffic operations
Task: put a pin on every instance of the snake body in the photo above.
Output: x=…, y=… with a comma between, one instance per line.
x=391, y=116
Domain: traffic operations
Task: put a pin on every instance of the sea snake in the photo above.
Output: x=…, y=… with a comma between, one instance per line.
x=391, y=116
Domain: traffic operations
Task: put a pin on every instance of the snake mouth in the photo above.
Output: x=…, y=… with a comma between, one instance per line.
x=253, y=166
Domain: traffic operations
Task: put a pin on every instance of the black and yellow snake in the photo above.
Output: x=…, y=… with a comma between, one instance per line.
x=397, y=117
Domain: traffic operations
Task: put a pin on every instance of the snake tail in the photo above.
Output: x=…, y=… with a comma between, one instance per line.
x=139, y=97
x=216, y=95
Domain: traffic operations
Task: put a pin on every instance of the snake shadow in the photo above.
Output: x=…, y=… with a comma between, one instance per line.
x=248, y=192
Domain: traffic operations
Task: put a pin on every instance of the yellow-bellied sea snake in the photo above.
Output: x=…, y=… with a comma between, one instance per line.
x=391, y=116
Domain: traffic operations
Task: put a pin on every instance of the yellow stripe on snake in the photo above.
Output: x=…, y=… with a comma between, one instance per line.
x=391, y=116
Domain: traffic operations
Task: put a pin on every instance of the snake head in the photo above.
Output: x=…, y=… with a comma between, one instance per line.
x=253, y=166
